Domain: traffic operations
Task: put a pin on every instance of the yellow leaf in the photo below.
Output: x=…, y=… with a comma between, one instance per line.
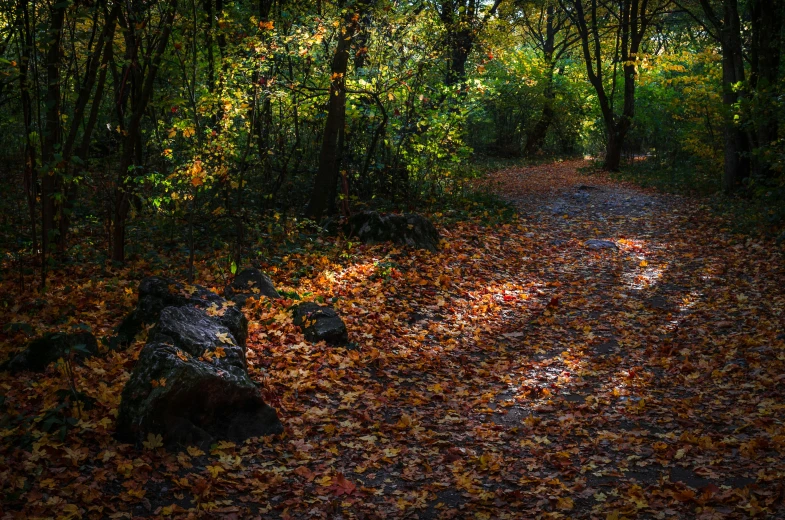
x=172, y=132
x=220, y=352
x=226, y=445
x=153, y=441
x=215, y=470
x=565, y=504
x=404, y=422
x=225, y=338
x=193, y=451
x=71, y=511
x=188, y=132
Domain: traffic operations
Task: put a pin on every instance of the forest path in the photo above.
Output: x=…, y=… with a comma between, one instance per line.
x=653, y=352
x=608, y=352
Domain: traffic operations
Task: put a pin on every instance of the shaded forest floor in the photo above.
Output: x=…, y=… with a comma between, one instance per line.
x=525, y=370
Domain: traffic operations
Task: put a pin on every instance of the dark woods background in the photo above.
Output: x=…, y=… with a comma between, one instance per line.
x=210, y=127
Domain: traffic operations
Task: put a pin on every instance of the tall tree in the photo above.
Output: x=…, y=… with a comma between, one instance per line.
x=548, y=27
x=463, y=20
x=750, y=74
x=51, y=181
x=628, y=20
x=330, y=154
x=133, y=90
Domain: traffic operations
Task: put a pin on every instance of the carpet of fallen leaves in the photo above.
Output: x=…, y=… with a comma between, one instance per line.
x=517, y=373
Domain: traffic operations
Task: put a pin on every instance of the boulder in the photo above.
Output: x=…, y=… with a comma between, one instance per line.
x=408, y=229
x=191, y=383
x=250, y=283
x=157, y=293
x=49, y=348
x=320, y=323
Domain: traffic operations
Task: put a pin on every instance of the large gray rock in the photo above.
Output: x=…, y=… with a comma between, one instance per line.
x=191, y=384
x=408, y=229
x=196, y=333
x=601, y=244
x=157, y=293
x=250, y=283
x=320, y=323
x=47, y=349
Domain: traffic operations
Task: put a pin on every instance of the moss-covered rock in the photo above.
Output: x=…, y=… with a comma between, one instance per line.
x=157, y=293
x=320, y=323
x=250, y=283
x=191, y=383
x=408, y=229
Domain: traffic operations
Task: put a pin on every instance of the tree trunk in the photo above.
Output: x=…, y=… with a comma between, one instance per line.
x=613, y=148
x=95, y=68
x=736, y=144
x=460, y=43
x=536, y=137
x=30, y=179
x=765, y=53
x=51, y=181
x=326, y=175
x=132, y=141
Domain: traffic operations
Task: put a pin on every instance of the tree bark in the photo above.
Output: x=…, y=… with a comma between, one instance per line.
x=765, y=54
x=51, y=181
x=30, y=176
x=132, y=139
x=633, y=23
x=326, y=175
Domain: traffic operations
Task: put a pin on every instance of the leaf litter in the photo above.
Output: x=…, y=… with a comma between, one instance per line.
x=516, y=373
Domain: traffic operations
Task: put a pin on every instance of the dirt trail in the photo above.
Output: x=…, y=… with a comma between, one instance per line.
x=651, y=363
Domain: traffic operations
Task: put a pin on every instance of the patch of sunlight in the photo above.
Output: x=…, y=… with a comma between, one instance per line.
x=638, y=280
x=641, y=275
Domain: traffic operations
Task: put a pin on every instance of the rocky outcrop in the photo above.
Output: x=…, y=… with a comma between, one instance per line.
x=191, y=384
x=320, y=323
x=156, y=293
x=408, y=229
x=45, y=350
x=250, y=283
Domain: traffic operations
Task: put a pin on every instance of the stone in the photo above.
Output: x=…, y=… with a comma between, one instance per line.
x=250, y=283
x=191, y=383
x=157, y=293
x=193, y=331
x=409, y=229
x=47, y=349
x=191, y=402
x=601, y=244
x=320, y=323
